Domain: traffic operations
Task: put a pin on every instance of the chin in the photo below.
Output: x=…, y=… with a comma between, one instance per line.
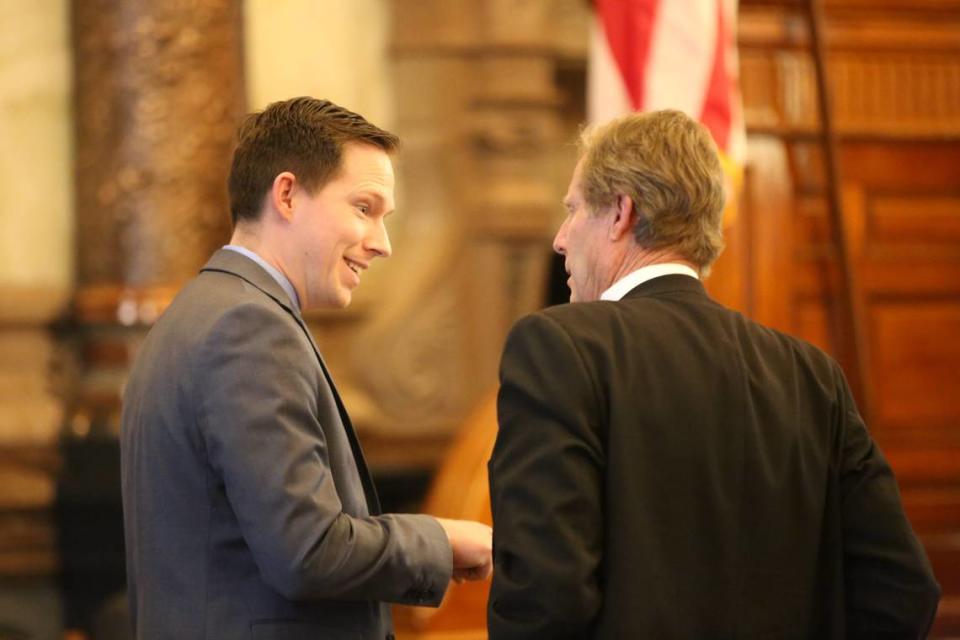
x=333, y=300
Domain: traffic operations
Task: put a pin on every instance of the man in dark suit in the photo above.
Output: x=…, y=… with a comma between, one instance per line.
x=666, y=468
x=248, y=508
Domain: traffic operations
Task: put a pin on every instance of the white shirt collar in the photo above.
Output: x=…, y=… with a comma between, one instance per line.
x=627, y=283
x=275, y=273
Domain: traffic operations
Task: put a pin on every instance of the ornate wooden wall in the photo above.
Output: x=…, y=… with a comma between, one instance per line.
x=895, y=73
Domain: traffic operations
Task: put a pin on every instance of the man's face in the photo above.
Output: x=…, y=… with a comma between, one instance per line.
x=584, y=241
x=339, y=230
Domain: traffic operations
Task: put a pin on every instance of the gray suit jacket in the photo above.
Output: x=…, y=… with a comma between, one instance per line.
x=248, y=508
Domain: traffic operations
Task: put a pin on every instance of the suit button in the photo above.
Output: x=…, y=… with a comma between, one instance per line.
x=390, y=636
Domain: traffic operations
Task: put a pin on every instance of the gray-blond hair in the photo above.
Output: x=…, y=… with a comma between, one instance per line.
x=667, y=164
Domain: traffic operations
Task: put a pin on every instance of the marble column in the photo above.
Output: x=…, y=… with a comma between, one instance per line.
x=158, y=95
x=485, y=121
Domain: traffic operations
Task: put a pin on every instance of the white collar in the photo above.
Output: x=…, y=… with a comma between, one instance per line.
x=627, y=283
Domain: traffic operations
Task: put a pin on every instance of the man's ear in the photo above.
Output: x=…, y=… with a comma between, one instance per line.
x=623, y=217
x=281, y=195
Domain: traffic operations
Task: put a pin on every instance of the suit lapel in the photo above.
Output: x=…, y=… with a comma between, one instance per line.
x=369, y=490
x=235, y=264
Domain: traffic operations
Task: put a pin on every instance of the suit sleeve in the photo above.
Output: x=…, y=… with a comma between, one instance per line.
x=545, y=488
x=256, y=389
x=890, y=588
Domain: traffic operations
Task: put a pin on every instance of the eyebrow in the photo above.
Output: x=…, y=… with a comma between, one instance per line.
x=368, y=191
x=369, y=194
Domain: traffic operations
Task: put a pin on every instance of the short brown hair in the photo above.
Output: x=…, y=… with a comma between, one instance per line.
x=667, y=164
x=304, y=136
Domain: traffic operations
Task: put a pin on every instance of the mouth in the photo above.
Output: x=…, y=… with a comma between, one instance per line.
x=355, y=266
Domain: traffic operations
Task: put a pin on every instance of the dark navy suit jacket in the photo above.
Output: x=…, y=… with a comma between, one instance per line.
x=666, y=468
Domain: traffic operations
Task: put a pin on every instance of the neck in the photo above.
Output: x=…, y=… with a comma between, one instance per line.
x=253, y=240
x=637, y=257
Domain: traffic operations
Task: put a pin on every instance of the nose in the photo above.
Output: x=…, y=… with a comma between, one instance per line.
x=378, y=240
x=560, y=240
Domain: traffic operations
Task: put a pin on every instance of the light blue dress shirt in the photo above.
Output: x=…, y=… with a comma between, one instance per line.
x=272, y=270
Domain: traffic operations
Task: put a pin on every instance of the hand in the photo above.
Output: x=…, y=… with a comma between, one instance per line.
x=472, y=544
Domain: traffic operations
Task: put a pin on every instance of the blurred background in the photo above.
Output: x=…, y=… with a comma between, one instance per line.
x=116, y=125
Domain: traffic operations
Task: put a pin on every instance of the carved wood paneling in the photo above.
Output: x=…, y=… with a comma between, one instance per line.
x=895, y=73
x=894, y=70
x=923, y=220
x=918, y=354
x=910, y=271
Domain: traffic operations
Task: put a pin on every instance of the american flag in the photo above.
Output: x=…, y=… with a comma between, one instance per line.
x=670, y=54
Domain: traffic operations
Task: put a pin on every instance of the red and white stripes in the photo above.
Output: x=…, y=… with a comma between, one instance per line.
x=678, y=54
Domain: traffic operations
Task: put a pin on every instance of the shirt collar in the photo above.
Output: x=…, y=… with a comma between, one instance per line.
x=627, y=283
x=272, y=270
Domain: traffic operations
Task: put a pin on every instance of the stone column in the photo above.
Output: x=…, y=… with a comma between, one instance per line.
x=159, y=92
x=489, y=97
x=484, y=118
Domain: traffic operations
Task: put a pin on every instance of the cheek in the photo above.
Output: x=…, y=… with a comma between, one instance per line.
x=350, y=233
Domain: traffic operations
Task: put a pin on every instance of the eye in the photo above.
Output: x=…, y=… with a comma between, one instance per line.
x=363, y=209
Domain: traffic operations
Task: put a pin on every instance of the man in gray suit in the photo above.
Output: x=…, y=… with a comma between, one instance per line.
x=248, y=508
